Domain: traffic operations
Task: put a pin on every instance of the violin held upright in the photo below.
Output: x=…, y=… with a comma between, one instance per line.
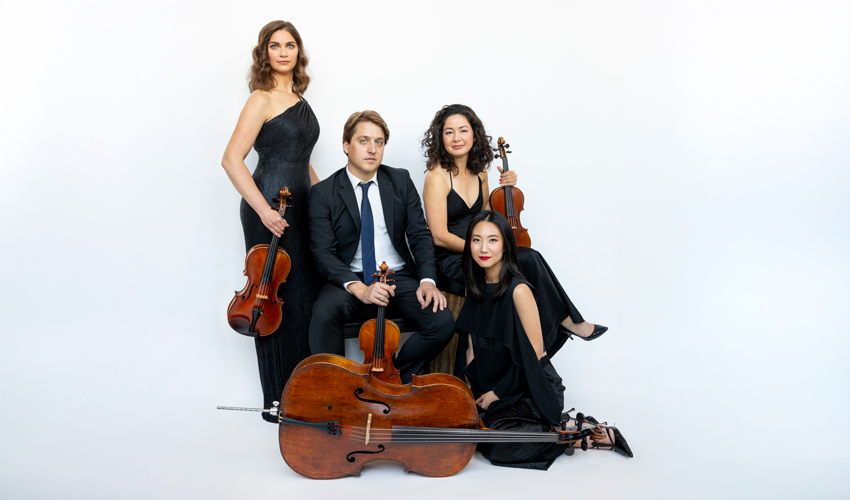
x=255, y=311
x=379, y=339
x=508, y=200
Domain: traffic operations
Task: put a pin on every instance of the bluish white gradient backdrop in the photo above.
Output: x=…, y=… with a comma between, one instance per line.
x=685, y=166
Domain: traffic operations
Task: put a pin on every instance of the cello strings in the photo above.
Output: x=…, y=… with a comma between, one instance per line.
x=442, y=435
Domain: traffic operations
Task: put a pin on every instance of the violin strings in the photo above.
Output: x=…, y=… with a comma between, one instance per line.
x=268, y=269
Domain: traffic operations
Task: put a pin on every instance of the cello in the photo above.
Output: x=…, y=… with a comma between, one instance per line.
x=508, y=200
x=379, y=339
x=335, y=417
x=255, y=311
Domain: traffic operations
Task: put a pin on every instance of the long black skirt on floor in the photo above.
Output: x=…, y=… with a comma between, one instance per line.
x=522, y=416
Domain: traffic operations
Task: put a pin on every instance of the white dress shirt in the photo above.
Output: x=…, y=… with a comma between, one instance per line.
x=384, y=249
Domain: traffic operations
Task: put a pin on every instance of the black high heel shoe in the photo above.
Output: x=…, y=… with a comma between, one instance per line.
x=598, y=330
x=620, y=445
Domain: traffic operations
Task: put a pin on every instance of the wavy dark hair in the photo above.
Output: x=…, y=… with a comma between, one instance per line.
x=474, y=274
x=261, y=77
x=480, y=155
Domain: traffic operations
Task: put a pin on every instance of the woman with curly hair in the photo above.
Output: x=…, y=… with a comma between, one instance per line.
x=458, y=155
x=282, y=128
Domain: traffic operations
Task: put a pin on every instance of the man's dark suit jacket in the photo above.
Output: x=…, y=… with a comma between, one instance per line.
x=335, y=224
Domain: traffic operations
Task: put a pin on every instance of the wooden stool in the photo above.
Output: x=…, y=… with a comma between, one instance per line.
x=445, y=361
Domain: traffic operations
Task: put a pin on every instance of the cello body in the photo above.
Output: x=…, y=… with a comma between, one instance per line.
x=326, y=388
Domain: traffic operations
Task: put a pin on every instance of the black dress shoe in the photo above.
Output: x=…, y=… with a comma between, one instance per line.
x=598, y=330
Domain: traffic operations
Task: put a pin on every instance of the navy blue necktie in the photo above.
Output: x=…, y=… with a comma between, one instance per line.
x=367, y=235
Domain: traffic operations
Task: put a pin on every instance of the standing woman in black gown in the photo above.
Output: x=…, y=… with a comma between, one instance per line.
x=282, y=128
x=502, y=345
x=456, y=189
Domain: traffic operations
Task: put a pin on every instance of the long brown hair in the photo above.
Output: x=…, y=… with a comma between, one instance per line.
x=261, y=77
x=480, y=155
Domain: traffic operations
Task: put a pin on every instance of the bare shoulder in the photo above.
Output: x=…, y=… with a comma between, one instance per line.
x=259, y=103
x=437, y=180
x=524, y=301
x=522, y=292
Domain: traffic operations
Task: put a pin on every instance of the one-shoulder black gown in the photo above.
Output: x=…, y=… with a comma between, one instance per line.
x=552, y=301
x=284, y=145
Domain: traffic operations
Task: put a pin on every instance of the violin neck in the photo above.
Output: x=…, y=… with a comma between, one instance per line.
x=271, y=256
x=509, y=198
x=379, y=333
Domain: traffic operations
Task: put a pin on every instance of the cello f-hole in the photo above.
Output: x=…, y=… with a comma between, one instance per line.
x=350, y=456
x=359, y=391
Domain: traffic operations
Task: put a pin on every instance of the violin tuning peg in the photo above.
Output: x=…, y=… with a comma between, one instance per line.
x=510, y=151
x=497, y=156
x=507, y=146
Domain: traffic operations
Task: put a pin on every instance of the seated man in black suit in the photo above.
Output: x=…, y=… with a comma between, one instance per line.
x=350, y=235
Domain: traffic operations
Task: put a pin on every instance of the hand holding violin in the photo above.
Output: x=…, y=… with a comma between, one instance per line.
x=377, y=293
x=508, y=178
x=273, y=221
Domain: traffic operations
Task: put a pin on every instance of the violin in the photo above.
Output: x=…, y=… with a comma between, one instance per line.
x=255, y=311
x=335, y=417
x=508, y=200
x=379, y=339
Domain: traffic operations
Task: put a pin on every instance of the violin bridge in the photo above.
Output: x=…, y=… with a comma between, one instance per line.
x=264, y=297
x=368, y=427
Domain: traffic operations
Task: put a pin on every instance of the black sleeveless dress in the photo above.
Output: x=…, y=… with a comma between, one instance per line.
x=552, y=301
x=284, y=145
x=531, y=394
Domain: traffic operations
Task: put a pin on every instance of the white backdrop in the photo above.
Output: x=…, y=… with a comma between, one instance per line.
x=685, y=166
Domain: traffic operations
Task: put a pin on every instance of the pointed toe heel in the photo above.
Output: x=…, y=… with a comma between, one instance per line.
x=598, y=330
